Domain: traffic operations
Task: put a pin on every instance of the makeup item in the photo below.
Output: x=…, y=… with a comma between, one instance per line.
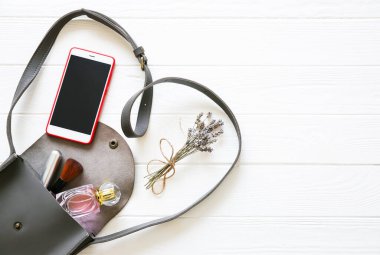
x=86, y=199
x=71, y=169
x=51, y=167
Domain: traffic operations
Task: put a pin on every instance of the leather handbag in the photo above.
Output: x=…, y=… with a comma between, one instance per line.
x=31, y=221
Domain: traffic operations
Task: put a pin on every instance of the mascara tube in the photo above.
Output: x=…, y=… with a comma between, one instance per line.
x=51, y=167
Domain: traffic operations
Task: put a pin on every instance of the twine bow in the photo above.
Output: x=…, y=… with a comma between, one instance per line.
x=164, y=173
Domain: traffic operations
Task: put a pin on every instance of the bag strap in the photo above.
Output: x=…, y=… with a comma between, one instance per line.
x=43, y=50
x=127, y=129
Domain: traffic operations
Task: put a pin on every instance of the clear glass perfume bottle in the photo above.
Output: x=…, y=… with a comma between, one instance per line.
x=86, y=199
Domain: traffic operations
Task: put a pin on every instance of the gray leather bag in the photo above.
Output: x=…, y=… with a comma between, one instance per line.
x=31, y=221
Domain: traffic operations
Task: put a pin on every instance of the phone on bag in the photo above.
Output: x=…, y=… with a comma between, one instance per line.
x=78, y=103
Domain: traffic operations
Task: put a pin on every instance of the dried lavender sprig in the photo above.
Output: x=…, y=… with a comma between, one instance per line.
x=199, y=138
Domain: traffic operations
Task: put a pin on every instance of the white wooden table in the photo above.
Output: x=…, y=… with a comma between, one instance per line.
x=303, y=78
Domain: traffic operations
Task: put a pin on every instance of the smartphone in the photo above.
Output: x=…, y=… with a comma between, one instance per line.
x=83, y=86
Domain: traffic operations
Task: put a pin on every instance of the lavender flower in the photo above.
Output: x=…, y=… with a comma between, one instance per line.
x=200, y=137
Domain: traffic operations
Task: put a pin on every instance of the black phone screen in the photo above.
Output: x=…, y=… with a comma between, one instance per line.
x=80, y=94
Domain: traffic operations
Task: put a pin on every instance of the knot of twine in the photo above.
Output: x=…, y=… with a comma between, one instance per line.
x=166, y=172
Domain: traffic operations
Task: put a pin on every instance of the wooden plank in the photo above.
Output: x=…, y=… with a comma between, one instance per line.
x=205, y=41
x=268, y=191
x=267, y=139
x=263, y=191
x=247, y=236
x=205, y=8
x=248, y=90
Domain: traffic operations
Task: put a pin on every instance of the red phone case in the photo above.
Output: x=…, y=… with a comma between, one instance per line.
x=101, y=101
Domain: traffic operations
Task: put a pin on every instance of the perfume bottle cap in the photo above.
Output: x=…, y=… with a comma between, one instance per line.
x=108, y=194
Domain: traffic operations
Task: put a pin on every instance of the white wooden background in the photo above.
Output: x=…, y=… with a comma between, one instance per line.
x=303, y=78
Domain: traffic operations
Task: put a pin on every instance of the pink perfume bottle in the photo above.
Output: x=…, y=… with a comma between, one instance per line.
x=86, y=199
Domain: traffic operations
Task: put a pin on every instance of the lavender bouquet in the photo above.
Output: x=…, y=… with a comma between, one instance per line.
x=200, y=137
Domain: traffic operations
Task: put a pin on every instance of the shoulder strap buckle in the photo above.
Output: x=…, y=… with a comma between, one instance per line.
x=143, y=61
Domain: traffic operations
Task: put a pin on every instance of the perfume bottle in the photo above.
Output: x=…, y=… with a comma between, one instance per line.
x=86, y=199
